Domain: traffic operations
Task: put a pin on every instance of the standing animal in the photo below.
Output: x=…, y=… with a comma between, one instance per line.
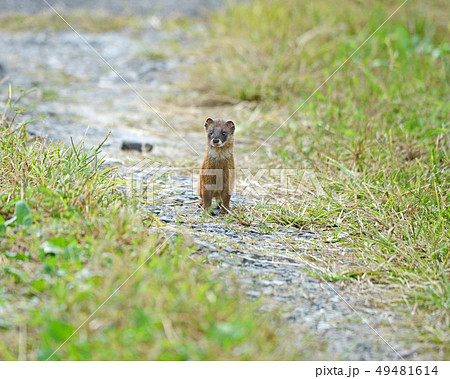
x=217, y=173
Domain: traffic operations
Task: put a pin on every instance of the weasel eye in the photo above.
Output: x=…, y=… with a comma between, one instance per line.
x=224, y=134
x=211, y=132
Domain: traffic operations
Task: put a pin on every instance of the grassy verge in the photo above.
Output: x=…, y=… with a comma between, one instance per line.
x=79, y=20
x=69, y=238
x=376, y=134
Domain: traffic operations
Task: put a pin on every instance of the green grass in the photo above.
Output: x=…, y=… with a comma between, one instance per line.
x=376, y=134
x=49, y=94
x=152, y=55
x=97, y=22
x=69, y=238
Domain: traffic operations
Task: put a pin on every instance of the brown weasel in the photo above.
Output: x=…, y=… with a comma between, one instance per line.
x=217, y=174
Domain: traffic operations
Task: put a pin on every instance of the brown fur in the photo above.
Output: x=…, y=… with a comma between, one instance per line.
x=219, y=157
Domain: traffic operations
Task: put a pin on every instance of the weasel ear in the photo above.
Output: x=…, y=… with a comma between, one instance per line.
x=231, y=125
x=209, y=121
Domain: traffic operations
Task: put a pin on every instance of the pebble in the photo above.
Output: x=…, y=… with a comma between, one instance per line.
x=252, y=293
x=142, y=147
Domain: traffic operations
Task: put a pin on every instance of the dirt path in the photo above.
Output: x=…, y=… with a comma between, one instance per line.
x=77, y=89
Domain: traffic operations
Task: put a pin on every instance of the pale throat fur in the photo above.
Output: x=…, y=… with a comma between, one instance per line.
x=220, y=153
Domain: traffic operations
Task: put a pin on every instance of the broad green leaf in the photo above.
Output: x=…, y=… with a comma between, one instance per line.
x=2, y=225
x=59, y=330
x=23, y=214
x=40, y=284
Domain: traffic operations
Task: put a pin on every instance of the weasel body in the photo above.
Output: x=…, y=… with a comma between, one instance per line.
x=217, y=173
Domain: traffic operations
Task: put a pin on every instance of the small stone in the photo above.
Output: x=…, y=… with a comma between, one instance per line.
x=307, y=235
x=205, y=245
x=252, y=293
x=143, y=147
x=323, y=325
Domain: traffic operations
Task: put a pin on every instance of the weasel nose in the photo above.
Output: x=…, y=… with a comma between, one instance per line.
x=216, y=140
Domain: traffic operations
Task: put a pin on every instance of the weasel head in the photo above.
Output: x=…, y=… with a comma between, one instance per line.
x=219, y=133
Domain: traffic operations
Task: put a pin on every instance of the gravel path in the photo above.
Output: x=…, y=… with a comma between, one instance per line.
x=76, y=89
x=272, y=266
x=161, y=7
